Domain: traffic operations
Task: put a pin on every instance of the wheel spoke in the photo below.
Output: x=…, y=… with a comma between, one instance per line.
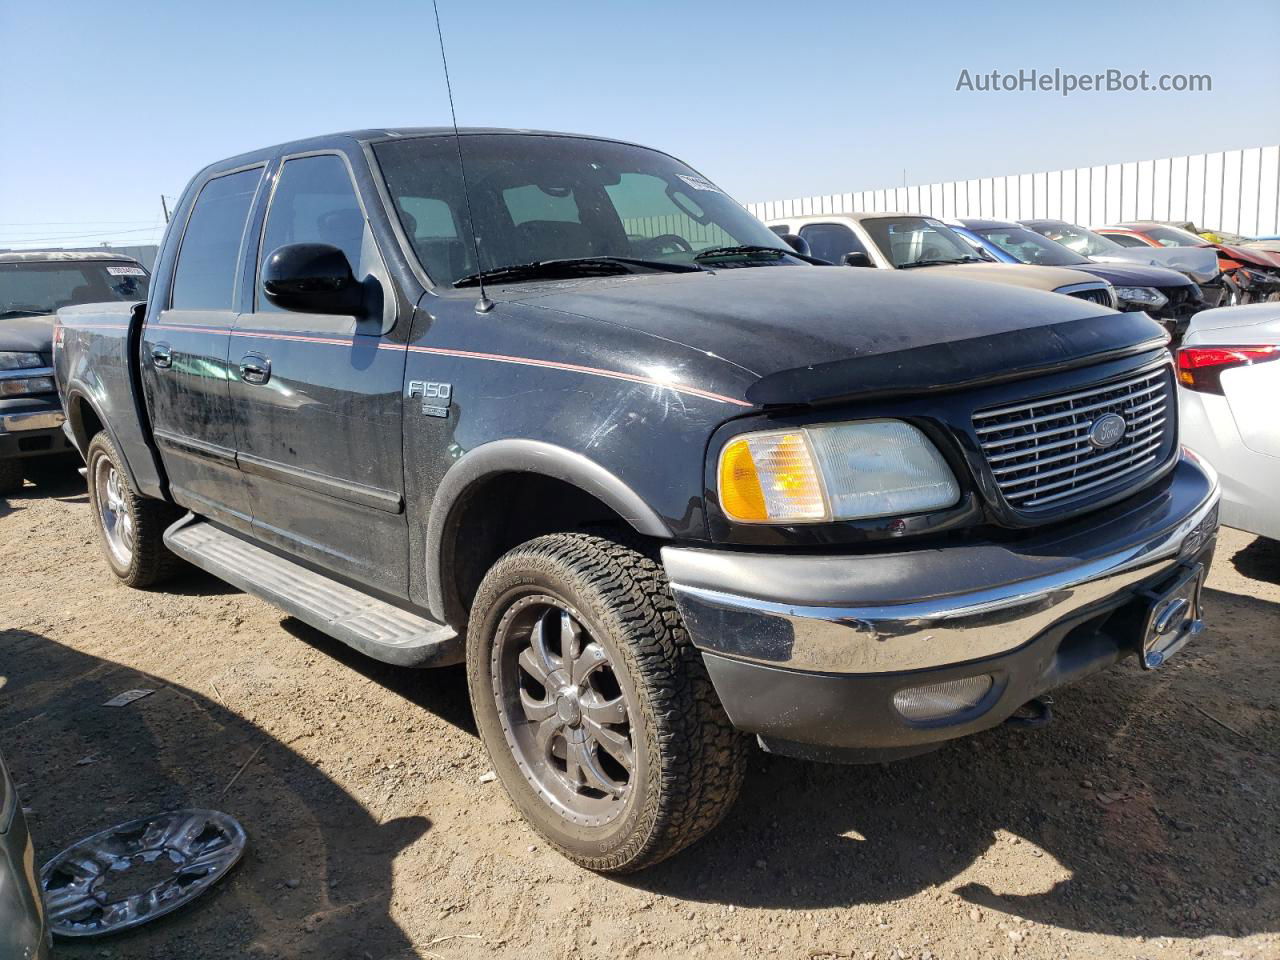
x=530, y=663
x=604, y=711
x=584, y=769
x=570, y=638
x=537, y=710
x=592, y=656
x=538, y=643
x=618, y=746
x=547, y=731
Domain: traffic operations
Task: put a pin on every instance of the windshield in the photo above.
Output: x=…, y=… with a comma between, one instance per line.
x=918, y=241
x=1078, y=239
x=545, y=198
x=1174, y=237
x=33, y=288
x=1029, y=247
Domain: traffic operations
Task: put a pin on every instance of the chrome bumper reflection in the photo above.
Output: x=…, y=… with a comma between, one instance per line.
x=38, y=420
x=934, y=632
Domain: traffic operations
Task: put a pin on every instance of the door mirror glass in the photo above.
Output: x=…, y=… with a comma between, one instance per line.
x=311, y=278
x=857, y=259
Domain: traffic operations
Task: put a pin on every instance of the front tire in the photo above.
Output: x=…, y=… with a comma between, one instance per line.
x=594, y=705
x=130, y=527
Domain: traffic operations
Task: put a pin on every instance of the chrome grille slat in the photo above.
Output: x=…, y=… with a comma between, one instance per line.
x=1045, y=418
x=1039, y=451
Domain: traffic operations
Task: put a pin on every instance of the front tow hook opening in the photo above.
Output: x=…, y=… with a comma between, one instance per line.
x=1032, y=715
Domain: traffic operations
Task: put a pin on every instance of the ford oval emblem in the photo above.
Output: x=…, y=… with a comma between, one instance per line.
x=1107, y=430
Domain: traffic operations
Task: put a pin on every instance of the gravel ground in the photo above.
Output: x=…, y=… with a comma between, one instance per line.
x=1144, y=823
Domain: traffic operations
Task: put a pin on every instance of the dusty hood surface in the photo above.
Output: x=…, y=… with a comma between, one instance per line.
x=783, y=325
x=1016, y=274
x=1199, y=263
x=26, y=334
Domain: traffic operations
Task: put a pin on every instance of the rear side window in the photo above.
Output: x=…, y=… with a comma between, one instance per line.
x=831, y=241
x=314, y=202
x=205, y=277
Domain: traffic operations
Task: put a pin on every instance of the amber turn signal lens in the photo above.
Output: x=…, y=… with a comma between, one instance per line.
x=740, y=493
x=771, y=477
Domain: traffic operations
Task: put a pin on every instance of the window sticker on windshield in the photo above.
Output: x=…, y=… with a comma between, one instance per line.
x=699, y=183
x=126, y=271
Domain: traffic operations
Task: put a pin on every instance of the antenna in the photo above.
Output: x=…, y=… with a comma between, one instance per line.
x=484, y=304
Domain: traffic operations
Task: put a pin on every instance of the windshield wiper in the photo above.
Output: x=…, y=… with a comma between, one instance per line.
x=604, y=266
x=938, y=262
x=25, y=312
x=745, y=249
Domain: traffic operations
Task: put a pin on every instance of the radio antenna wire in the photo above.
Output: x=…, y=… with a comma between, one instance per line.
x=484, y=304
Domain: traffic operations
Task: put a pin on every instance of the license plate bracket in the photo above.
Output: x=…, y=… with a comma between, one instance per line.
x=1173, y=618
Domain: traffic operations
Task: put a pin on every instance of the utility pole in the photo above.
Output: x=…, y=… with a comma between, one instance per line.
x=165, y=207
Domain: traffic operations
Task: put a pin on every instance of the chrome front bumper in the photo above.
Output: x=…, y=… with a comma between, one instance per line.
x=914, y=610
x=31, y=420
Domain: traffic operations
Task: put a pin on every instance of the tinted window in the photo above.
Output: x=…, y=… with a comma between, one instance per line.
x=831, y=241
x=917, y=241
x=1027, y=246
x=314, y=202
x=1127, y=241
x=205, y=278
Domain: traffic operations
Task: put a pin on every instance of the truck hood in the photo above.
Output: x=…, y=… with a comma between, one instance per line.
x=817, y=334
x=1198, y=263
x=26, y=335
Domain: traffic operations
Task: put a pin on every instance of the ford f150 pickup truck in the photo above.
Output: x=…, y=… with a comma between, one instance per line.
x=655, y=477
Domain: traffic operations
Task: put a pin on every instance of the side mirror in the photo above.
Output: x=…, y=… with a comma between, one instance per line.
x=797, y=243
x=985, y=254
x=857, y=258
x=312, y=278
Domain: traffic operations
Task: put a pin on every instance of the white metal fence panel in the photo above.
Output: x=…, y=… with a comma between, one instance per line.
x=1233, y=190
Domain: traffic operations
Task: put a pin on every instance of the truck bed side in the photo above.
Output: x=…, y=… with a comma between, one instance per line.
x=96, y=364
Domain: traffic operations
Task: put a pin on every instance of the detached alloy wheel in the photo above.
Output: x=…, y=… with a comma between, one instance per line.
x=130, y=527
x=594, y=706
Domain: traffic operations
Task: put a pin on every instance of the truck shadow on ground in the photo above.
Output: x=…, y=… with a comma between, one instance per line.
x=1134, y=814
x=1260, y=560
x=316, y=878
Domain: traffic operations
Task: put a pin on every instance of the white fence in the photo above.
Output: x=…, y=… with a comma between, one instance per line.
x=1234, y=190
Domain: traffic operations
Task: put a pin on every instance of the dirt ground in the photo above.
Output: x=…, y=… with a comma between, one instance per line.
x=1144, y=823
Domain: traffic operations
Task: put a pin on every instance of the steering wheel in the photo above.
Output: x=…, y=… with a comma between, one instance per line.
x=663, y=243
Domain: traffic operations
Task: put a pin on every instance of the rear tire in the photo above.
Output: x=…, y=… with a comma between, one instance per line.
x=130, y=527
x=10, y=476
x=594, y=705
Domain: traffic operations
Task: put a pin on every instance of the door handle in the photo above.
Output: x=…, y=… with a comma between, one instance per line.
x=255, y=369
x=161, y=355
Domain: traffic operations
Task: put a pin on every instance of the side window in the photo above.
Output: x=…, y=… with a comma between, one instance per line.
x=205, y=277
x=831, y=241
x=314, y=202
x=1125, y=241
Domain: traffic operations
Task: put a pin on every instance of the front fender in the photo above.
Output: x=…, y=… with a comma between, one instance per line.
x=515, y=455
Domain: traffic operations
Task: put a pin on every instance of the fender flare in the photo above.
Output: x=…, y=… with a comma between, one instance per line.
x=524, y=456
x=77, y=395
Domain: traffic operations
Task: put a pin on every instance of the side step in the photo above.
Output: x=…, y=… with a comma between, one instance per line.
x=374, y=627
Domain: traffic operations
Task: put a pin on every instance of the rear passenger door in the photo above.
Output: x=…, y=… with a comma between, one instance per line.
x=317, y=398
x=184, y=354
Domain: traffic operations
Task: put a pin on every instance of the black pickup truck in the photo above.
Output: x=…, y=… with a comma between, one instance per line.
x=660, y=482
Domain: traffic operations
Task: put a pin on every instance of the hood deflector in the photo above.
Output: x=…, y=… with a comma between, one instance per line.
x=956, y=364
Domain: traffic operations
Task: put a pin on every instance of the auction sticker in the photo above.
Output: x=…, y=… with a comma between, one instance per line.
x=699, y=183
x=126, y=271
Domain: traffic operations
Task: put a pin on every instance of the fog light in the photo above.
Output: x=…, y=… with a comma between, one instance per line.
x=937, y=700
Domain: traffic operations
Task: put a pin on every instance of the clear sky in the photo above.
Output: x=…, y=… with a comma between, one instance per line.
x=104, y=106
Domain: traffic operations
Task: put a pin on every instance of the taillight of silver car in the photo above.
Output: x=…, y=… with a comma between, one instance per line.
x=1201, y=368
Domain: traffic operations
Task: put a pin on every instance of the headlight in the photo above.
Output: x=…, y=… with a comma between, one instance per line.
x=1147, y=296
x=25, y=386
x=843, y=471
x=20, y=361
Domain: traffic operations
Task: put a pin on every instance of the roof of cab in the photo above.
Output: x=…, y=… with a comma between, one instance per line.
x=380, y=134
x=43, y=256
x=985, y=224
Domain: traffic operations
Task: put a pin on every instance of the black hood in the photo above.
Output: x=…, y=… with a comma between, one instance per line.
x=26, y=334
x=1134, y=275
x=812, y=334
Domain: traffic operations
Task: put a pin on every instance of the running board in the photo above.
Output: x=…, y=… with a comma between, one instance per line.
x=374, y=627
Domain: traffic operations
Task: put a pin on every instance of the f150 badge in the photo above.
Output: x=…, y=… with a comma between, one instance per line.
x=436, y=397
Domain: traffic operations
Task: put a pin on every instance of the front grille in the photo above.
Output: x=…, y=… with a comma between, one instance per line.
x=1098, y=295
x=1040, y=452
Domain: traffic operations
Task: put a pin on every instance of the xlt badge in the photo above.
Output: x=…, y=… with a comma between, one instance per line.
x=436, y=397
